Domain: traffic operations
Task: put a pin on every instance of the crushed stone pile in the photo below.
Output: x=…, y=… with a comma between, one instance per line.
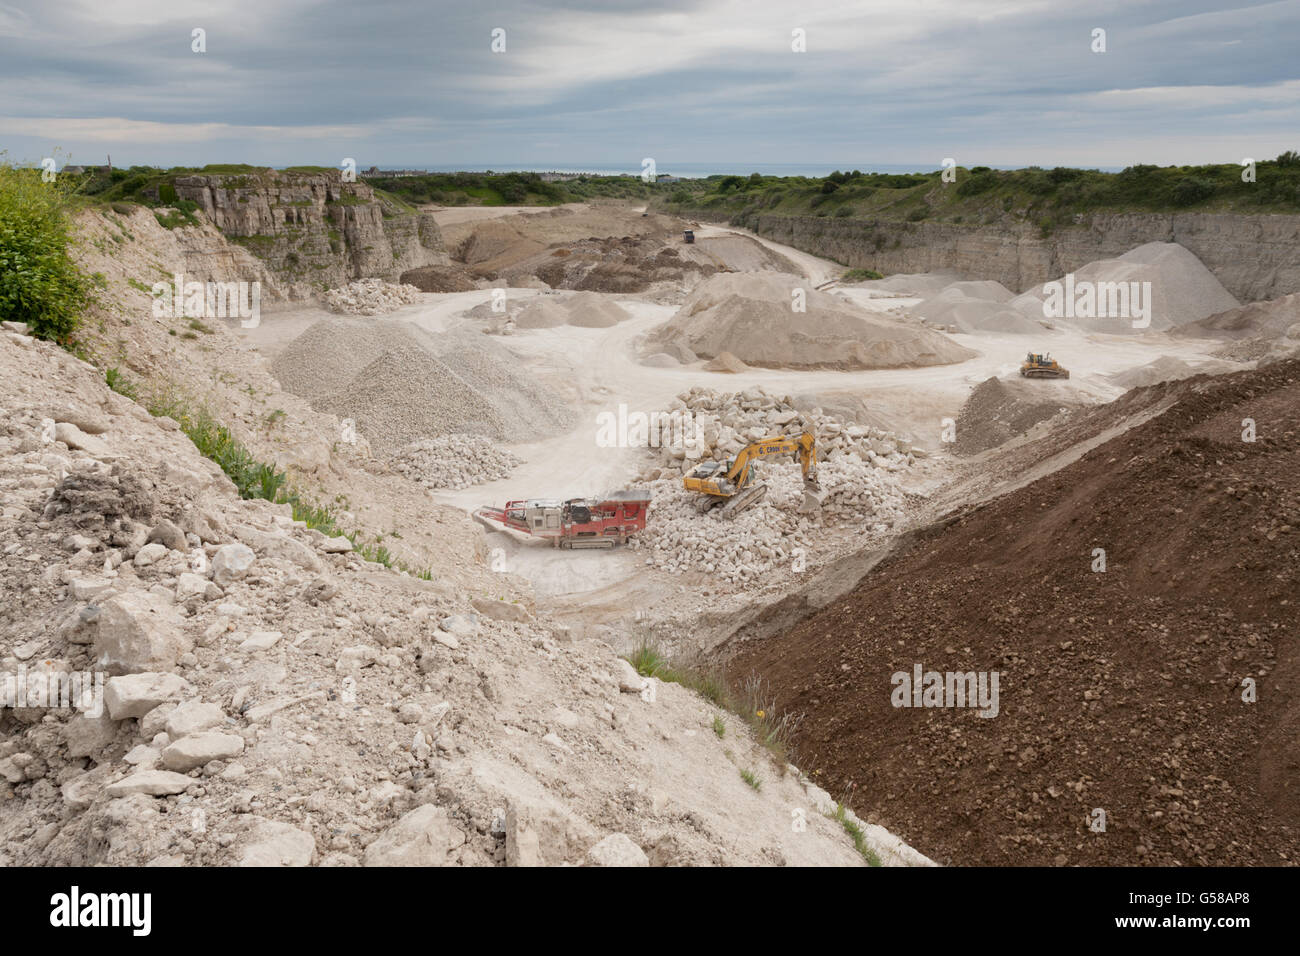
x=1182, y=289
x=329, y=353
x=751, y=315
x=1261, y=350
x=589, y=310
x=401, y=384
x=770, y=534
x=705, y=424
x=1271, y=319
x=407, y=394
x=918, y=284
x=454, y=461
x=370, y=297
x=725, y=362
x=978, y=307
x=543, y=312
x=528, y=409
x=858, y=468
x=1165, y=369
x=613, y=264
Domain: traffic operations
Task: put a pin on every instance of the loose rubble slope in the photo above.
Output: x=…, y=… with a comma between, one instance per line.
x=271, y=698
x=1120, y=689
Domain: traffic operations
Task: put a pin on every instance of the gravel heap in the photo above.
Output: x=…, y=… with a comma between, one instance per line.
x=401, y=384
x=1270, y=319
x=588, y=310
x=750, y=315
x=856, y=472
x=454, y=461
x=1183, y=290
x=370, y=297
x=770, y=534
x=406, y=394
x=980, y=307
x=725, y=422
x=529, y=409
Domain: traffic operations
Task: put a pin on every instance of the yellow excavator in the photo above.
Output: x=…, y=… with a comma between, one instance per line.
x=733, y=485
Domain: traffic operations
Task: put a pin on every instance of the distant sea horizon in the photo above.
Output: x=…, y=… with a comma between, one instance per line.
x=696, y=170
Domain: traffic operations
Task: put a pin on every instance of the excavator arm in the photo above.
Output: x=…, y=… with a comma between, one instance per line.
x=805, y=446
x=735, y=488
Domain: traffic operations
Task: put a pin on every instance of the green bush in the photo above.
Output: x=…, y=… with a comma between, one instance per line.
x=1193, y=190
x=976, y=183
x=39, y=284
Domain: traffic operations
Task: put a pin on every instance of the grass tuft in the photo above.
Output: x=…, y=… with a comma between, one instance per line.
x=774, y=728
x=855, y=833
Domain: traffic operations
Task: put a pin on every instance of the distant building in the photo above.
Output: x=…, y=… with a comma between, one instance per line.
x=375, y=172
x=665, y=178
x=560, y=177
x=74, y=170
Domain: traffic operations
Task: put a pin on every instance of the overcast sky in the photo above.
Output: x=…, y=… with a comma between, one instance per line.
x=396, y=83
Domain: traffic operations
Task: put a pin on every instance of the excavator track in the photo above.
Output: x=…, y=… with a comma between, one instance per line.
x=743, y=500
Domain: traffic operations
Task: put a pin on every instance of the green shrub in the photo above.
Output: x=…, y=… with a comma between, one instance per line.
x=1193, y=190
x=976, y=183
x=116, y=380
x=39, y=284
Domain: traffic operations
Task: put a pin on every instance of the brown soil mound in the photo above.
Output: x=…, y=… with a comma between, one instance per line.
x=998, y=411
x=439, y=279
x=1119, y=690
x=614, y=264
x=494, y=244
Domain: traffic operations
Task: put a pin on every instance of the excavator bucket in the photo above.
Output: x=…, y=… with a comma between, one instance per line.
x=812, y=501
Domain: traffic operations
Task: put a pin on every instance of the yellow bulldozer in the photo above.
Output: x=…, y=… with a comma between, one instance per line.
x=733, y=485
x=1042, y=366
